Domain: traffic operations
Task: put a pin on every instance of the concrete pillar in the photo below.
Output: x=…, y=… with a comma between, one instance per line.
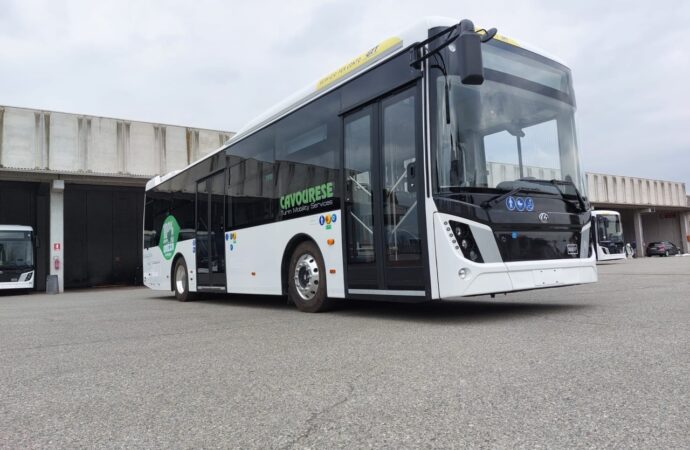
x=639, y=235
x=685, y=232
x=57, y=225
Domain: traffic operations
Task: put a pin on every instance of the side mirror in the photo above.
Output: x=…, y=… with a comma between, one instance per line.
x=411, y=178
x=469, y=53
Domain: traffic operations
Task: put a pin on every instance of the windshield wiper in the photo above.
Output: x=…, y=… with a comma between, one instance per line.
x=494, y=200
x=580, y=200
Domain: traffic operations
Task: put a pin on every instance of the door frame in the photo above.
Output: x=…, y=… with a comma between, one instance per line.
x=381, y=292
x=211, y=286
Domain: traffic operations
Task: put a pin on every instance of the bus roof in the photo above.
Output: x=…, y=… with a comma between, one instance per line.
x=371, y=58
x=605, y=212
x=15, y=228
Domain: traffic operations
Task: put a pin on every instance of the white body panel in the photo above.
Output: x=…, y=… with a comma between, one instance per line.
x=497, y=276
x=253, y=263
x=158, y=270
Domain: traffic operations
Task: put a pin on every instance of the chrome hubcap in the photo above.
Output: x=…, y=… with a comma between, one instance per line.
x=307, y=277
x=181, y=279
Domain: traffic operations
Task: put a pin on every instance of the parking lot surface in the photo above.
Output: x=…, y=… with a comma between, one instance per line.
x=587, y=366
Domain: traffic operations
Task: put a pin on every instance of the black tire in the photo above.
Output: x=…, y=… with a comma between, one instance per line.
x=307, y=279
x=181, y=286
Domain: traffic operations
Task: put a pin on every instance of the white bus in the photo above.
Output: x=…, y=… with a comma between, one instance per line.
x=17, y=269
x=608, y=235
x=374, y=183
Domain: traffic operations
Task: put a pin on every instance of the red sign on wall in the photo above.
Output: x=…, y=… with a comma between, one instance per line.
x=56, y=246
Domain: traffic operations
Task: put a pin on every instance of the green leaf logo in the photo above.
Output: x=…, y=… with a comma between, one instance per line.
x=169, y=234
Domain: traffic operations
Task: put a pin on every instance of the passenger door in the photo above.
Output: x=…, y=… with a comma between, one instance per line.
x=384, y=198
x=210, y=233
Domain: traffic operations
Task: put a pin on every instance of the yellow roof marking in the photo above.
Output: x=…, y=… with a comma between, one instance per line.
x=359, y=61
x=499, y=37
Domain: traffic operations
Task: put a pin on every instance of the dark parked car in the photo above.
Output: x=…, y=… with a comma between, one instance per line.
x=663, y=248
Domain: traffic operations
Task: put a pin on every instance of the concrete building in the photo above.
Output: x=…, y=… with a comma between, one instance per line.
x=79, y=182
x=651, y=210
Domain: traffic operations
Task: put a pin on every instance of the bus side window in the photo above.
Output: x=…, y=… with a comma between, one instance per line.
x=307, y=146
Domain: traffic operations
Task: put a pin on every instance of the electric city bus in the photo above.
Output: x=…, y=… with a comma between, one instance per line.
x=16, y=257
x=608, y=235
x=442, y=163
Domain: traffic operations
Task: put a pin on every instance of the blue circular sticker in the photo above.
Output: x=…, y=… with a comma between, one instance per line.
x=510, y=203
x=520, y=204
x=529, y=204
x=322, y=220
x=232, y=247
x=333, y=218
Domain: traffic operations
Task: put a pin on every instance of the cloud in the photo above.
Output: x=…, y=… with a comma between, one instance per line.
x=217, y=64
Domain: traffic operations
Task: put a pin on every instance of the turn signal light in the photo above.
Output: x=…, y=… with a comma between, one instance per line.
x=330, y=241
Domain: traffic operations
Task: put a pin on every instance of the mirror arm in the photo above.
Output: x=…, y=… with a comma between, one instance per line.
x=416, y=50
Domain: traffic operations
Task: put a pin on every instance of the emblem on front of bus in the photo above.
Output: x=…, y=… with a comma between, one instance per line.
x=543, y=217
x=510, y=203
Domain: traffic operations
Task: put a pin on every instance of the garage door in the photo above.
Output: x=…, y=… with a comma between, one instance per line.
x=102, y=235
x=27, y=204
x=662, y=226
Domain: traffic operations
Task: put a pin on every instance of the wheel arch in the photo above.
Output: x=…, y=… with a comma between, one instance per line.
x=287, y=253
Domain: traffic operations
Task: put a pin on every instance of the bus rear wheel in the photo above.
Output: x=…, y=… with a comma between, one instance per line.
x=307, y=279
x=181, y=281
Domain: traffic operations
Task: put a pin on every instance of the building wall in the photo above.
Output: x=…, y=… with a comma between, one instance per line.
x=622, y=190
x=77, y=144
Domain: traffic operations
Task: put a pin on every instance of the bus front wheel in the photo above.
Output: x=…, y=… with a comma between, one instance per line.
x=181, y=281
x=307, y=279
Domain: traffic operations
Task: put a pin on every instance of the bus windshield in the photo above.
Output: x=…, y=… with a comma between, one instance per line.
x=609, y=228
x=16, y=250
x=516, y=128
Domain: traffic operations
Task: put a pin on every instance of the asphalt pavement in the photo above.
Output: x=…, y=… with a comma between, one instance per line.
x=602, y=365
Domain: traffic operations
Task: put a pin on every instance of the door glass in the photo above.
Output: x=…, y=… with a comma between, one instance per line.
x=360, y=231
x=400, y=223
x=202, y=248
x=217, y=226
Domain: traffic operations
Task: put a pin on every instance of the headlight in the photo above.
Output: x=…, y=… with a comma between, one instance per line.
x=468, y=245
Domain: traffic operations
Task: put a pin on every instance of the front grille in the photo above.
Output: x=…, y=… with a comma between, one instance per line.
x=613, y=247
x=10, y=275
x=538, y=245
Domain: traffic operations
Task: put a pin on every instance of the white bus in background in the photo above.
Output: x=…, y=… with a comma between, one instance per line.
x=608, y=235
x=374, y=183
x=17, y=269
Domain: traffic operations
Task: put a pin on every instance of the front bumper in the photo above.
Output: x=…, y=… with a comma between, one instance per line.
x=496, y=276
x=17, y=285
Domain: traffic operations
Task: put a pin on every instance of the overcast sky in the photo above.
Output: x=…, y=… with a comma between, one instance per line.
x=217, y=64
